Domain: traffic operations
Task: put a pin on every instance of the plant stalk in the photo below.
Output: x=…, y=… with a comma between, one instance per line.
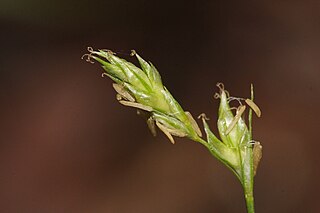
x=249, y=199
x=247, y=169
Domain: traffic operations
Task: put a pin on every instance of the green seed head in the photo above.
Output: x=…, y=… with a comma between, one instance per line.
x=142, y=88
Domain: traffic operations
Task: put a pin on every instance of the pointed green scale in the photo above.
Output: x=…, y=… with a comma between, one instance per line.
x=134, y=77
x=155, y=76
x=239, y=132
x=141, y=75
x=171, y=123
x=114, y=70
x=151, y=71
x=175, y=108
x=212, y=139
x=220, y=150
x=225, y=119
x=115, y=79
x=140, y=95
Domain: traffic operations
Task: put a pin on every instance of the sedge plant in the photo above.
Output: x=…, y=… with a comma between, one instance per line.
x=142, y=88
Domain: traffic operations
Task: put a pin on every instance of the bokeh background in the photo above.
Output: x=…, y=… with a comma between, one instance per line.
x=66, y=145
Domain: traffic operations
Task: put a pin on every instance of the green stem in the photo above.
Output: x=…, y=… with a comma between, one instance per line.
x=250, y=113
x=249, y=201
x=247, y=169
x=247, y=181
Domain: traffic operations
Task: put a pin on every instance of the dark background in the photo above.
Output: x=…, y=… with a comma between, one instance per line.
x=66, y=145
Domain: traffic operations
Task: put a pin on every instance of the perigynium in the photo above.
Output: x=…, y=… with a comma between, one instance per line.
x=142, y=88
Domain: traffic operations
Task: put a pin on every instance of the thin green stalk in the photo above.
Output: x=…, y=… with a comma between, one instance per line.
x=250, y=111
x=247, y=182
x=248, y=172
x=249, y=202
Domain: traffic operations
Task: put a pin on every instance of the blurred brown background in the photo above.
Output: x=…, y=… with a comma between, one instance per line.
x=66, y=145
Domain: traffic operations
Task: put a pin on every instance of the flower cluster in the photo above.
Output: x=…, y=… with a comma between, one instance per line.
x=143, y=89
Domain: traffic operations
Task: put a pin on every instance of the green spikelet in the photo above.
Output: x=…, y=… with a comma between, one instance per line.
x=142, y=88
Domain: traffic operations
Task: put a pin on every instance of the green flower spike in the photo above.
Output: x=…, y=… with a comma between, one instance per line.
x=143, y=90
x=236, y=149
